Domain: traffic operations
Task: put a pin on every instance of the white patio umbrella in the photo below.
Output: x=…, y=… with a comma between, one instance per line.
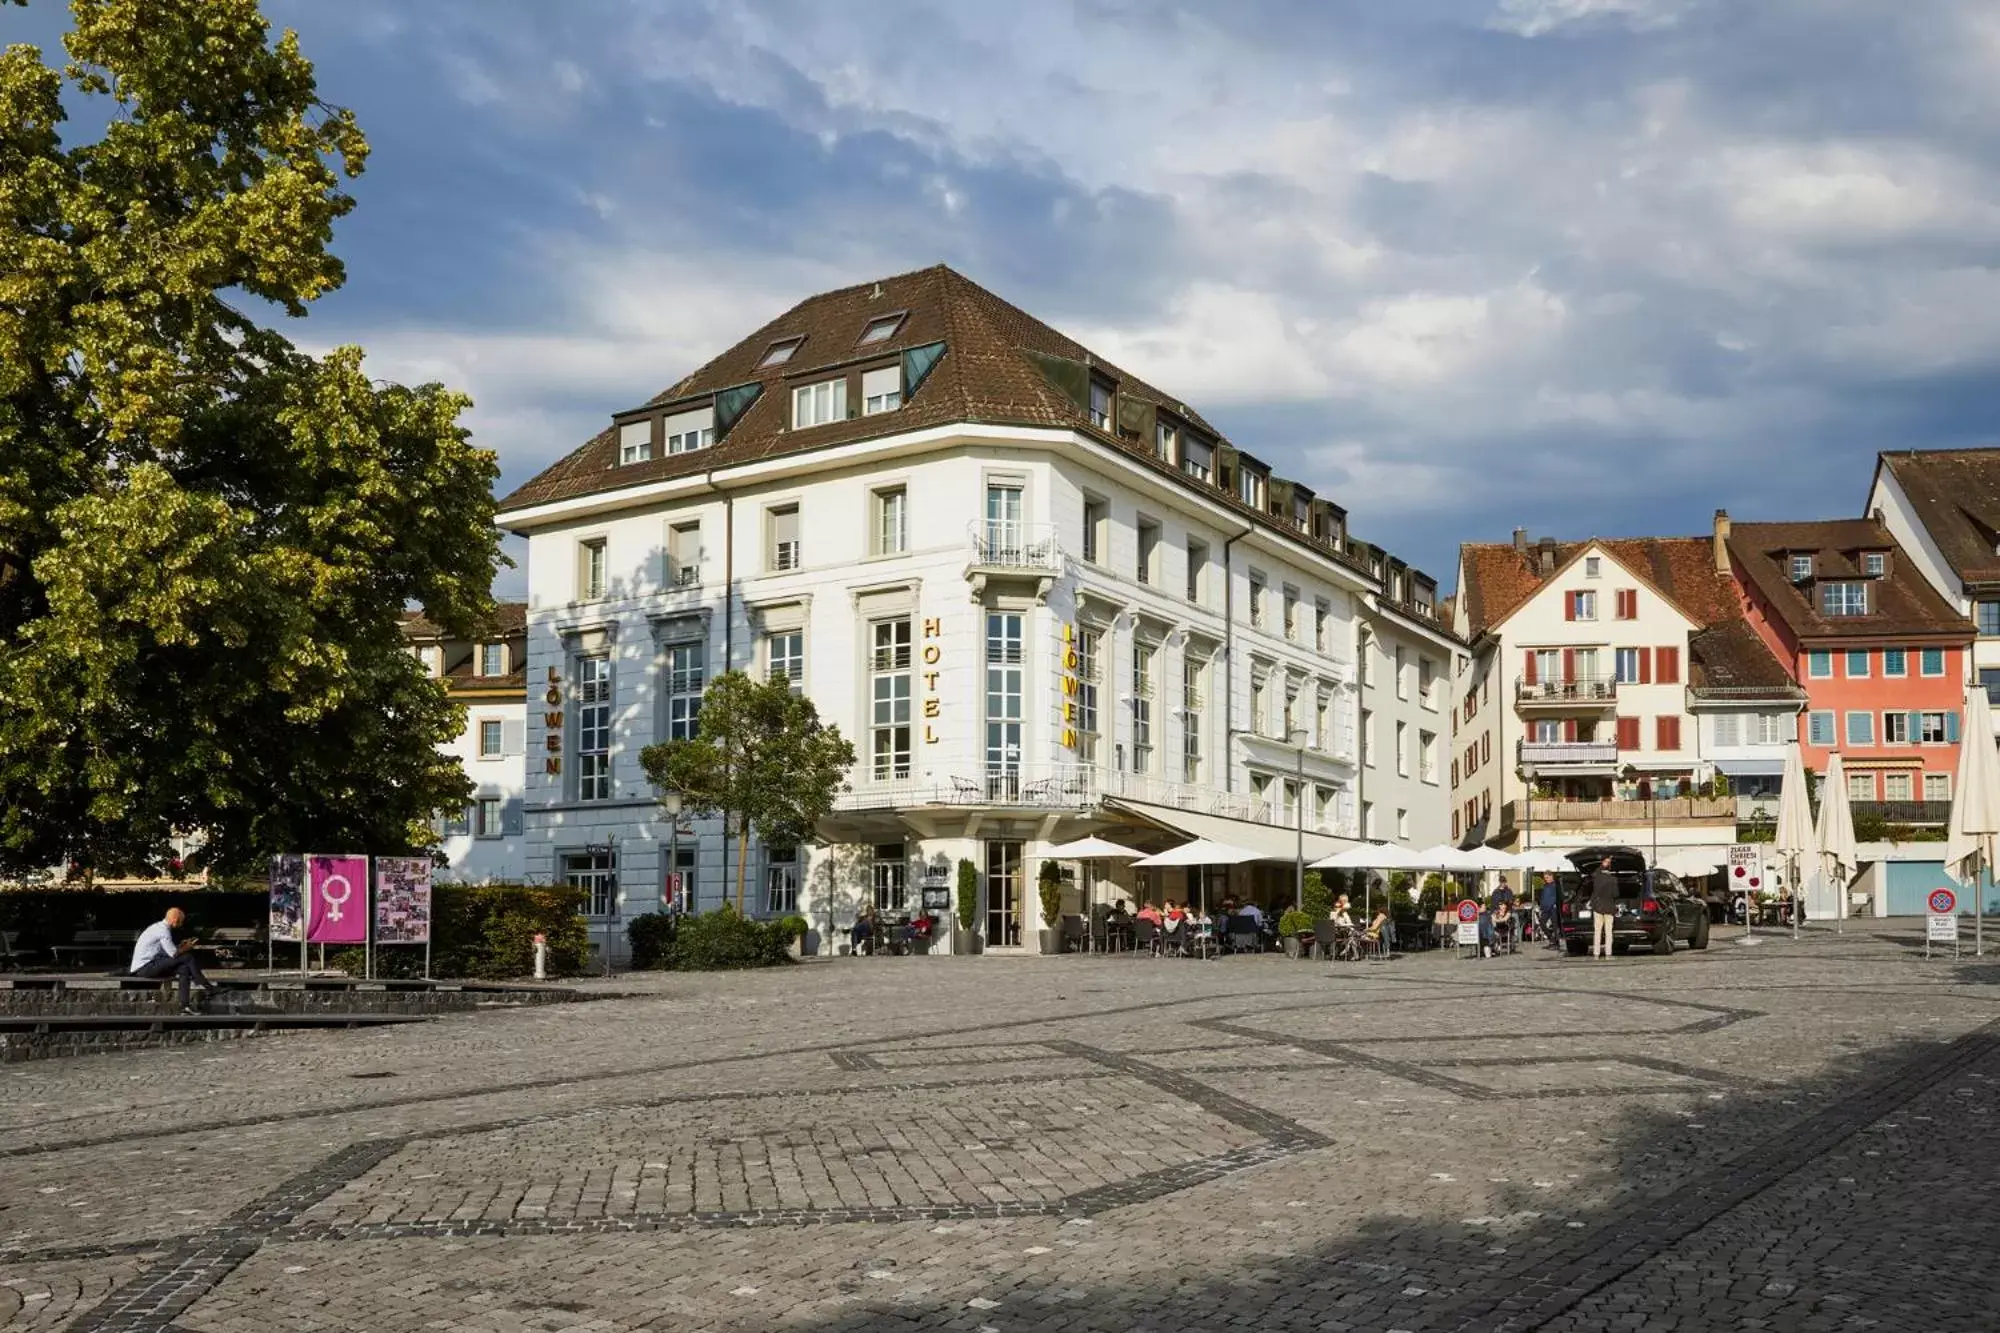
x=1694, y=861
x=1372, y=856
x=1092, y=848
x=1552, y=859
x=1200, y=852
x=1975, y=809
x=1838, y=858
x=1795, y=841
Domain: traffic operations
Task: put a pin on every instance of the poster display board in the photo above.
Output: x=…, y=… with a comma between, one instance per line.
x=402, y=900
x=288, y=900
x=337, y=899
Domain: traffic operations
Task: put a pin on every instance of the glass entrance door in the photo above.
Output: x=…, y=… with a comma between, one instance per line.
x=1003, y=891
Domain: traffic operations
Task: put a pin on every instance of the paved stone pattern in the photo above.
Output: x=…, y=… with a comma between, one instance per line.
x=1786, y=1137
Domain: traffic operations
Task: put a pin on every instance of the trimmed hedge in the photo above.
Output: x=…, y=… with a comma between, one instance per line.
x=711, y=942
x=486, y=932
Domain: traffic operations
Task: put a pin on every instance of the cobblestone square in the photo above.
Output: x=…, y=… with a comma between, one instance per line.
x=1791, y=1136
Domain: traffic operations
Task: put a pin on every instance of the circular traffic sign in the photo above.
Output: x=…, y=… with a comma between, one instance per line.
x=1468, y=910
x=1943, y=902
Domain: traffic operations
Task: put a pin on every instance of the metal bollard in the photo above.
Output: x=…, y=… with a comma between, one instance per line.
x=541, y=958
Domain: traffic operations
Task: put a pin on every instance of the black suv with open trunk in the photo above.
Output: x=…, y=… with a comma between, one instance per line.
x=1654, y=909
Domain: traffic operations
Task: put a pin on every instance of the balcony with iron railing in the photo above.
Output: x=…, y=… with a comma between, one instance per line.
x=1014, y=546
x=1668, y=811
x=1593, y=692
x=1574, y=756
x=1903, y=812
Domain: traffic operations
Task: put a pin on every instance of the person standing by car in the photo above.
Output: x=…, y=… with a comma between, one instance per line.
x=1603, y=907
x=1551, y=895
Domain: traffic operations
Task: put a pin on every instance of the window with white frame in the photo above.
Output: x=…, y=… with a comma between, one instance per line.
x=1583, y=605
x=889, y=870
x=1896, y=728
x=1256, y=600
x=1627, y=665
x=1402, y=673
x=591, y=568
x=1096, y=529
x=1937, y=787
x=1323, y=721
x=1403, y=749
x=785, y=658
x=1197, y=569
x=1801, y=568
x=781, y=881
x=689, y=431
x=1260, y=700
x=593, y=727
x=1089, y=645
x=891, y=528
x=1368, y=737
x=1843, y=598
x=1861, y=786
x=1592, y=566
x=594, y=873
x=1252, y=488
x=1427, y=761
x=1142, y=707
x=1896, y=786
x=1197, y=458
x=1931, y=661
x=818, y=404
x=1727, y=729
x=492, y=659
x=684, y=554
x=1366, y=656
x=1895, y=662
x=1100, y=404
x=1769, y=729
x=486, y=816
x=881, y=390
x=635, y=441
x=687, y=861
x=1147, y=570
x=1291, y=609
x=687, y=675
x=491, y=738
x=1874, y=564
x=784, y=552
x=1860, y=728
x=1163, y=441
x=1819, y=728
x=889, y=736
x=1294, y=716
x=1006, y=533
x=1403, y=824
x=1004, y=688
x=1192, y=705
x=1427, y=682
x=1322, y=627
x=1937, y=728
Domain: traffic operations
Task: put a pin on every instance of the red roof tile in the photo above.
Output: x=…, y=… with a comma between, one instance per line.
x=1899, y=602
x=1956, y=495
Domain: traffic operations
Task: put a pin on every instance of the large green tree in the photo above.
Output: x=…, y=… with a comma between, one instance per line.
x=763, y=760
x=207, y=537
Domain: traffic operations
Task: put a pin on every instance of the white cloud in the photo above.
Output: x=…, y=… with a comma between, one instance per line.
x=1537, y=18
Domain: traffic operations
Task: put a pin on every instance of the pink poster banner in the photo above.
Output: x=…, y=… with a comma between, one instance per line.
x=337, y=900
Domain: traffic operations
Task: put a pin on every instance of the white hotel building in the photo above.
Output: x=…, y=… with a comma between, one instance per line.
x=1040, y=596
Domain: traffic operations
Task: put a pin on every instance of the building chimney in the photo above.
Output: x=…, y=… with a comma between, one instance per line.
x=1722, y=541
x=1520, y=541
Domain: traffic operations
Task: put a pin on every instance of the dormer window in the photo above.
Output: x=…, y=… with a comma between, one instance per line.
x=1843, y=599
x=689, y=431
x=817, y=404
x=492, y=659
x=1874, y=564
x=635, y=441
x=1802, y=566
x=1100, y=404
x=1252, y=489
x=1197, y=458
x=781, y=351
x=883, y=327
x=881, y=390
x=1163, y=441
x=1301, y=513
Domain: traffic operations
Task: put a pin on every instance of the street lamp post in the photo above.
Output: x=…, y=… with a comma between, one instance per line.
x=1298, y=737
x=670, y=802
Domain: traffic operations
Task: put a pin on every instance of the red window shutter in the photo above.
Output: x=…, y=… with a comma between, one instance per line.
x=1645, y=666
x=1676, y=732
x=1569, y=665
x=1628, y=603
x=1528, y=669
x=1663, y=733
x=1670, y=667
x=1569, y=606
x=1486, y=748
x=1628, y=733
x=1454, y=826
x=1569, y=729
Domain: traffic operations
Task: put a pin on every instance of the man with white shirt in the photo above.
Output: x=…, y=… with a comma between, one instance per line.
x=159, y=955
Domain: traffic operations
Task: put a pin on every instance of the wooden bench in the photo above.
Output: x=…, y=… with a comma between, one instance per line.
x=96, y=944
x=234, y=945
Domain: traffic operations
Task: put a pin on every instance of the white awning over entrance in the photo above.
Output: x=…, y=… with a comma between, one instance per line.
x=1270, y=842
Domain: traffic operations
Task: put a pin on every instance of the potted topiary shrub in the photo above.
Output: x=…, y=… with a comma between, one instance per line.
x=1291, y=925
x=1050, y=890
x=964, y=939
x=794, y=928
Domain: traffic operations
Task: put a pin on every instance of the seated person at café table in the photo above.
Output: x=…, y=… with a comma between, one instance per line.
x=1496, y=926
x=1254, y=912
x=863, y=931
x=1148, y=912
x=1343, y=913
x=1380, y=927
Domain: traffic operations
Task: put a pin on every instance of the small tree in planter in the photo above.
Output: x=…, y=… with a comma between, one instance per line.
x=1318, y=898
x=1050, y=890
x=963, y=939
x=1291, y=925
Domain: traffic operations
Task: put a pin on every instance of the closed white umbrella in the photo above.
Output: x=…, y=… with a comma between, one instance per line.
x=1838, y=857
x=1795, y=842
x=1975, y=808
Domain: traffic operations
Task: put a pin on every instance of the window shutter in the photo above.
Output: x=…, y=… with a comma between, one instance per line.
x=1569, y=606
x=1569, y=665
x=1670, y=666
x=1528, y=670
x=1645, y=666
x=1916, y=726
x=1569, y=729
x=513, y=737
x=1790, y=730
x=1628, y=733
x=1951, y=728
x=510, y=818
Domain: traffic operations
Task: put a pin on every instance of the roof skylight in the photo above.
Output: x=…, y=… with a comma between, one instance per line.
x=781, y=351
x=882, y=328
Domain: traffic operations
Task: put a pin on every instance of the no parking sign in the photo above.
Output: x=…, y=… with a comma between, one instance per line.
x=1468, y=922
x=1941, y=923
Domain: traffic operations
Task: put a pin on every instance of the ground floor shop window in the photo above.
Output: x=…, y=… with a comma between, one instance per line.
x=781, y=881
x=1003, y=890
x=597, y=875
x=891, y=873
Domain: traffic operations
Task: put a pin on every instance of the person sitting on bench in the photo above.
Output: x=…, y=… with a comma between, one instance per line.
x=158, y=956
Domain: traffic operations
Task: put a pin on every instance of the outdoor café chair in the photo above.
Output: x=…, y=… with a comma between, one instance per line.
x=1243, y=937
x=1145, y=937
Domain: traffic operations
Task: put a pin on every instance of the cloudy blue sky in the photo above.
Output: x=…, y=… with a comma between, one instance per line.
x=1578, y=265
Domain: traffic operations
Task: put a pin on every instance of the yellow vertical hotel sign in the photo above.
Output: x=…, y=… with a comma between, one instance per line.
x=1069, y=683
